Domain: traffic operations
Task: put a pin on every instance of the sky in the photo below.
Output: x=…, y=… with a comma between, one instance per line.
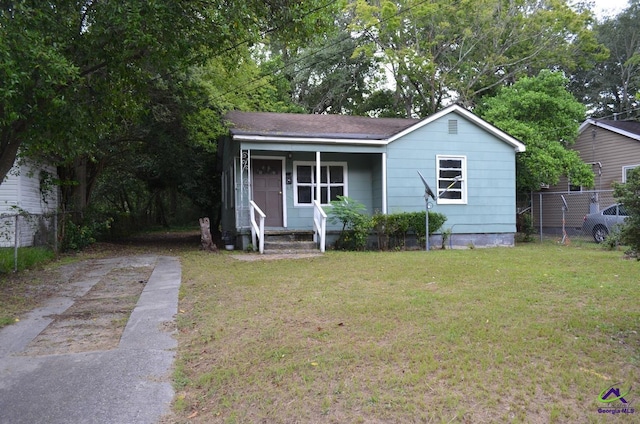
x=604, y=8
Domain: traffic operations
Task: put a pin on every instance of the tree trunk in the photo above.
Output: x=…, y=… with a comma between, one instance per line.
x=10, y=146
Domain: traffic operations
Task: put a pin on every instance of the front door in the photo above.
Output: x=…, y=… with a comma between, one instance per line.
x=267, y=189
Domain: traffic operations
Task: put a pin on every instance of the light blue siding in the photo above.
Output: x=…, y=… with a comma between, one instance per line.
x=490, y=165
x=362, y=170
x=360, y=174
x=230, y=151
x=376, y=183
x=490, y=174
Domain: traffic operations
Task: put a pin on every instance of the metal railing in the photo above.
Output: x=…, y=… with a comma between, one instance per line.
x=257, y=229
x=319, y=225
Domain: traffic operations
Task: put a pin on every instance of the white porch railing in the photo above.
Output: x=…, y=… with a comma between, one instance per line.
x=257, y=228
x=319, y=225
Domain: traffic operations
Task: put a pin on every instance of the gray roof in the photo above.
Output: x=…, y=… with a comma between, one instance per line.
x=267, y=126
x=627, y=128
x=315, y=126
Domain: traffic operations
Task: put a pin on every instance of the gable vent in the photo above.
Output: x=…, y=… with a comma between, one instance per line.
x=453, y=126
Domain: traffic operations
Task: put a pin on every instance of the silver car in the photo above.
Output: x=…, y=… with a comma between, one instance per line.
x=600, y=224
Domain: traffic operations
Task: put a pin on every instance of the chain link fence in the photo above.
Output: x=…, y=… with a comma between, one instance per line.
x=23, y=230
x=562, y=215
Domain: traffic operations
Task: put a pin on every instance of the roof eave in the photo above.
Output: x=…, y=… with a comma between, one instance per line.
x=599, y=124
x=310, y=140
x=517, y=145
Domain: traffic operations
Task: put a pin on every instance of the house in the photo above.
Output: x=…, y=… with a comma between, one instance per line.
x=284, y=162
x=612, y=148
x=28, y=196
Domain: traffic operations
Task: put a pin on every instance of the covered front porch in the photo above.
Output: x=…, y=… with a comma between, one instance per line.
x=270, y=190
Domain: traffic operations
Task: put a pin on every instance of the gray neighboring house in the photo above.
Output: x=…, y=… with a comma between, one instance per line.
x=284, y=162
x=28, y=189
x=612, y=148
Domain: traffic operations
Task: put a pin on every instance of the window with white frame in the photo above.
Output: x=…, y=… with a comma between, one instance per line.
x=626, y=170
x=452, y=183
x=333, y=182
x=573, y=188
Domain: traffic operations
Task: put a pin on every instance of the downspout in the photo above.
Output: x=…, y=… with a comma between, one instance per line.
x=594, y=205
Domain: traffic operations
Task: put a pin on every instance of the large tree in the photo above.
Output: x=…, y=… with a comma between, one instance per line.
x=75, y=73
x=161, y=174
x=327, y=75
x=170, y=154
x=442, y=51
x=612, y=86
x=543, y=114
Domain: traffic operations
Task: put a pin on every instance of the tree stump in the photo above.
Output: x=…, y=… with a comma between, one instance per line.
x=205, y=235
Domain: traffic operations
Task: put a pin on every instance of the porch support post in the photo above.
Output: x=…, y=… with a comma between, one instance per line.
x=244, y=190
x=384, y=183
x=318, y=177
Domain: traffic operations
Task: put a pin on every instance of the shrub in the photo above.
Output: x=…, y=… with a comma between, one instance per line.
x=78, y=236
x=356, y=224
x=629, y=195
x=613, y=239
x=392, y=229
x=525, y=224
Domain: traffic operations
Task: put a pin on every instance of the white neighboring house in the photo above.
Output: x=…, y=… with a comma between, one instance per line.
x=28, y=190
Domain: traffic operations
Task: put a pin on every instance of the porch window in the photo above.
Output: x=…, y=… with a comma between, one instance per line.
x=452, y=183
x=333, y=182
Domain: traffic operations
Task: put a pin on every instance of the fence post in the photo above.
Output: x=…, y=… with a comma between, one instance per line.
x=55, y=233
x=540, y=211
x=15, y=244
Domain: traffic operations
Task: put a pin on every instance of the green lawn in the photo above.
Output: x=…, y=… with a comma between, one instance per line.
x=27, y=257
x=528, y=334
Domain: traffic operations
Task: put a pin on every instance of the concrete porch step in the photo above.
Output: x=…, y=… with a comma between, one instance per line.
x=289, y=241
x=280, y=247
x=288, y=235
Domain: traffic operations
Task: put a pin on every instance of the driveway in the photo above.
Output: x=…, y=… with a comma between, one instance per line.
x=49, y=373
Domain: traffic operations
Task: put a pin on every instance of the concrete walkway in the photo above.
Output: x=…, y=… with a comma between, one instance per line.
x=130, y=384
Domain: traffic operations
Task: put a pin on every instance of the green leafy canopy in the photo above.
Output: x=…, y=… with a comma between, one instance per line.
x=543, y=114
x=629, y=194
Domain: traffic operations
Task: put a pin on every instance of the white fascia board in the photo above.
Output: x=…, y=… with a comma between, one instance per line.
x=517, y=145
x=585, y=125
x=310, y=140
x=598, y=124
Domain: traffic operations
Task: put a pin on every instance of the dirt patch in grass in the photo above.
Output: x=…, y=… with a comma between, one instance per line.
x=23, y=291
x=97, y=319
